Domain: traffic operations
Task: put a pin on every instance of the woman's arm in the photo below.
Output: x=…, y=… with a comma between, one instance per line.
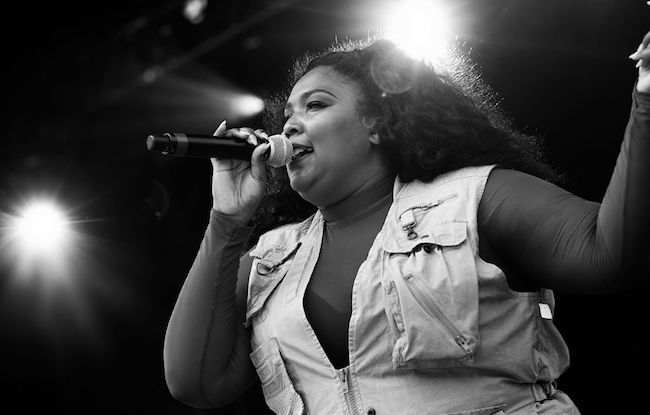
x=552, y=238
x=206, y=345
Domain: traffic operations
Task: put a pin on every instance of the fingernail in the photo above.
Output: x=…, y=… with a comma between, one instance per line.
x=221, y=128
x=636, y=52
x=262, y=133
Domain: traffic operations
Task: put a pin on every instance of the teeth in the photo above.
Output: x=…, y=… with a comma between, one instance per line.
x=301, y=152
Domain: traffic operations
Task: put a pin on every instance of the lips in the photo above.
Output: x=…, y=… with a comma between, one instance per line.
x=300, y=151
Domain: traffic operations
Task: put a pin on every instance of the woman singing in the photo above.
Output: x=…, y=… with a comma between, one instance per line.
x=423, y=283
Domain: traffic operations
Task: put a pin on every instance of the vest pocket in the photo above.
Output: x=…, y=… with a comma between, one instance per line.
x=268, y=269
x=489, y=410
x=431, y=298
x=279, y=392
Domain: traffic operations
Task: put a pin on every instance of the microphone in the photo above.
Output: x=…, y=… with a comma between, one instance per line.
x=205, y=146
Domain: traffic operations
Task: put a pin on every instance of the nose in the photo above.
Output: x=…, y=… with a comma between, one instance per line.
x=291, y=127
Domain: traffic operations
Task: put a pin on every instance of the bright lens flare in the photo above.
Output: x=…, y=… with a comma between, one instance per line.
x=42, y=229
x=421, y=28
x=249, y=105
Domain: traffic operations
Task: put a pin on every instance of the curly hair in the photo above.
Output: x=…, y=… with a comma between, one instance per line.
x=429, y=122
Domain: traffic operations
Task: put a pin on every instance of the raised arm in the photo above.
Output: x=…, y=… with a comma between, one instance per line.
x=206, y=351
x=548, y=237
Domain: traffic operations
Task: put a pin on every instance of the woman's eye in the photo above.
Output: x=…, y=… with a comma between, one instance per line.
x=315, y=105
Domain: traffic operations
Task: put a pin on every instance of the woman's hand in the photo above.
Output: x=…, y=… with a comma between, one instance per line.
x=642, y=58
x=238, y=186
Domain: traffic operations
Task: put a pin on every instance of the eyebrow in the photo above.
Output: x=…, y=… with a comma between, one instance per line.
x=288, y=106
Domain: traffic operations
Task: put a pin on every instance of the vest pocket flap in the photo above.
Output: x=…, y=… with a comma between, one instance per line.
x=270, y=265
x=260, y=289
x=279, y=392
x=268, y=364
x=273, y=254
x=270, y=260
x=440, y=234
x=264, y=353
x=431, y=294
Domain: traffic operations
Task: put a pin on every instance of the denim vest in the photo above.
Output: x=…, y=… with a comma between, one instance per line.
x=434, y=329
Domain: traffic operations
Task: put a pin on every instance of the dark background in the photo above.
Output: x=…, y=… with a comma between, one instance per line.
x=78, y=110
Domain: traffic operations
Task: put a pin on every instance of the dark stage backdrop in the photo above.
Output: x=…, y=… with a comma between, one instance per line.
x=85, y=83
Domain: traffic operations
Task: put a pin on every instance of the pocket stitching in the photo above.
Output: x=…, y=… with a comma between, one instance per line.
x=435, y=234
x=481, y=411
x=465, y=352
x=441, y=317
x=268, y=355
x=274, y=259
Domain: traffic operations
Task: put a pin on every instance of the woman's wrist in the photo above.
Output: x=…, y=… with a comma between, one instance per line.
x=229, y=222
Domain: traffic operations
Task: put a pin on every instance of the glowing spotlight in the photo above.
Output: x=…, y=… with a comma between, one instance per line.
x=248, y=105
x=423, y=29
x=194, y=10
x=41, y=229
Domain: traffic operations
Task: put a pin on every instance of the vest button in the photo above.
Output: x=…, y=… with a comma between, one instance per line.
x=371, y=411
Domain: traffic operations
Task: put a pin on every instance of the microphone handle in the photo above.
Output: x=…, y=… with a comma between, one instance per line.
x=200, y=145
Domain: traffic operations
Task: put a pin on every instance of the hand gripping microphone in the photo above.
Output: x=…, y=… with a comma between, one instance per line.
x=205, y=146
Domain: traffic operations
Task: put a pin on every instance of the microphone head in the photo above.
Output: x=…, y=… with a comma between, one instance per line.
x=151, y=143
x=281, y=151
x=158, y=143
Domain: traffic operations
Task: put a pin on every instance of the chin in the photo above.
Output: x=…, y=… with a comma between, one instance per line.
x=300, y=184
x=304, y=186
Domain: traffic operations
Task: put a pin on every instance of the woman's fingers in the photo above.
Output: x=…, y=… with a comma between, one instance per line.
x=261, y=133
x=247, y=134
x=253, y=137
x=642, y=49
x=244, y=133
x=227, y=165
x=642, y=53
x=220, y=129
x=258, y=164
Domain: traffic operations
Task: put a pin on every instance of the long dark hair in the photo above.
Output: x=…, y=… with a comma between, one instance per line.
x=429, y=123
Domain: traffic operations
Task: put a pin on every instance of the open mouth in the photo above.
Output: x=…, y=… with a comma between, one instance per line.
x=300, y=151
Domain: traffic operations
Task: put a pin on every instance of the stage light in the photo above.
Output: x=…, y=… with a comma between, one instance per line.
x=194, y=10
x=423, y=29
x=41, y=229
x=248, y=105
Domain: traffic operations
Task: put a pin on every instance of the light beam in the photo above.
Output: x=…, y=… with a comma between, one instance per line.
x=423, y=29
x=41, y=229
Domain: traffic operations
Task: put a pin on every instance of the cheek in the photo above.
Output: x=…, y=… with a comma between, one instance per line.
x=340, y=136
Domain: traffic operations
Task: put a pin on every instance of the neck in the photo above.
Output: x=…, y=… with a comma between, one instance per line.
x=369, y=196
